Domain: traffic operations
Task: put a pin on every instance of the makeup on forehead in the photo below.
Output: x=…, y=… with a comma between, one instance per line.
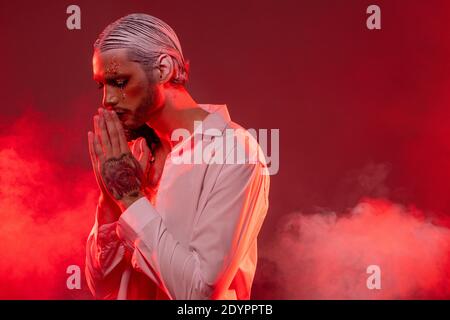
x=112, y=67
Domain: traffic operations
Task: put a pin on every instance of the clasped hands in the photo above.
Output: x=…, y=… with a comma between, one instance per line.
x=119, y=171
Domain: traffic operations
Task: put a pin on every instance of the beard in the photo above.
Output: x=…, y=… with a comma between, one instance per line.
x=139, y=127
x=149, y=104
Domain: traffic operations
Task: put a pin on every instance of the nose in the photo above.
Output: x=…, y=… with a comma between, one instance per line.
x=110, y=98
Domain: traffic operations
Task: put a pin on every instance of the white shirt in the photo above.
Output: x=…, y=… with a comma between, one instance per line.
x=198, y=240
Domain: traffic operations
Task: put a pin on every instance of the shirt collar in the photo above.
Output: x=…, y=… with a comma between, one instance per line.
x=218, y=118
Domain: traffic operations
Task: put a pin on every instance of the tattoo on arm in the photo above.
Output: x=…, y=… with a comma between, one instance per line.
x=123, y=176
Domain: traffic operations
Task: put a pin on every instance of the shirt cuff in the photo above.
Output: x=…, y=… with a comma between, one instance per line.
x=134, y=219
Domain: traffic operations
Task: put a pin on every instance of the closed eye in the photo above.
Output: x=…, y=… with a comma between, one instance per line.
x=116, y=83
x=121, y=83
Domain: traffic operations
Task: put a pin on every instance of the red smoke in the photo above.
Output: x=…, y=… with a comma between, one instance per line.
x=46, y=211
x=322, y=256
x=47, y=207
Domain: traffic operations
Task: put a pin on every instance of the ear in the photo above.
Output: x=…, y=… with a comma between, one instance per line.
x=165, y=68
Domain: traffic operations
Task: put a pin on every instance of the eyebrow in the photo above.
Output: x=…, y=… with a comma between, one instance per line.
x=111, y=78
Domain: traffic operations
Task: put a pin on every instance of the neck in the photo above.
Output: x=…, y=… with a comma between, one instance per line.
x=179, y=111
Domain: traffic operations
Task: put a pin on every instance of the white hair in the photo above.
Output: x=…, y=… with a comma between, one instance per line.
x=146, y=38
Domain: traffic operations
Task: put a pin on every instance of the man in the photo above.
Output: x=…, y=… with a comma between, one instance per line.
x=165, y=229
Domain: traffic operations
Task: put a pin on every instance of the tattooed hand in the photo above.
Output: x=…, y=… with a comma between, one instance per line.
x=121, y=174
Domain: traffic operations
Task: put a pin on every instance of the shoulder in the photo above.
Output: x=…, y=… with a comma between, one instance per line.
x=245, y=148
x=241, y=156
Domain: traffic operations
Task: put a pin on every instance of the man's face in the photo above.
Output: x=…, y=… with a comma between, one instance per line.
x=126, y=87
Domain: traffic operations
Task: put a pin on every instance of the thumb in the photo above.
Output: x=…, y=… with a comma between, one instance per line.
x=135, y=148
x=144, y=156
x=94, y=161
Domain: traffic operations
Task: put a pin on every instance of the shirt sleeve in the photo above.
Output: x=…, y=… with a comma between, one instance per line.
x=227, y=226
x=104, y=254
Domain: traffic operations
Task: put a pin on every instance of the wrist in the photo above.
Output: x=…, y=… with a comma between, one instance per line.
x=128, y=200
x=107, y=210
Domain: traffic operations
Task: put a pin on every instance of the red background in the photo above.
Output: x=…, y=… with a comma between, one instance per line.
x=343, y=97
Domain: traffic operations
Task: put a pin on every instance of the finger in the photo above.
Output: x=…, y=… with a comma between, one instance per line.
x=111, y=132
x=134, y=148
x=121, y=133
x=103, y=135
x=91, y=150
x=140, y=148
x=94, y=160
x=145, y=154
x=97, y=132
x=145, y=151
x=96, y=126
x=117, y=126
x=98, y=150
